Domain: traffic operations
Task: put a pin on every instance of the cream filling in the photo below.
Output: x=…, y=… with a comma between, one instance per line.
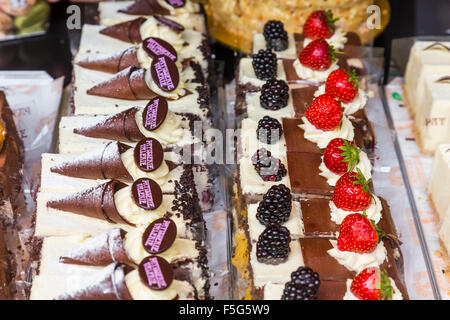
x=373, y=212
x=175, y=94
x=189, y=7
x=356, y=104
x=364, y=165
x=169, y=132
x=322, y=138
x=140, y=291
x=152, y=28
x=358, y=261
x=180, y=249
x=337, y=40
x=313, y=75
x=159, y=175
x=133, y=213
x=396, y=294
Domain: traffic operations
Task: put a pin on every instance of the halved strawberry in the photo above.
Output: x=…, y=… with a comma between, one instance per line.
x=319, y=25
x=325, y=113
x=341, y=156
x=318, y=55
x=372, y=284
x=358, y=234
x=352, y=192
x=342, y=85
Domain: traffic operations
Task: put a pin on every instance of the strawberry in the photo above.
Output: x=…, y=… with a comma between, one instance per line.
x=319, y=25
x=325, y=113
x=341, y=156
x=318, y=55
x=342, y=85
x=358, y=234
x=352, y=192
x=372, y=284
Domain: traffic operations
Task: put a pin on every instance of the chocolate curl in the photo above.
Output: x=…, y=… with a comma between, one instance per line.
x=96, y=202
x=120, y=126
x=100, y=250
x=104, y=163
x=113, y=63
x=110, y=285
x=145, y=7
x=128, y=31
x=128, y=84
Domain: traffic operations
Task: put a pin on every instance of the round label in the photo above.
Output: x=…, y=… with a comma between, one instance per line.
x=170, y=23
x=146, y=193
x=158, y=47
x=156, y=272
x=159, y=236
x=148, y=154
x=165, y=73
x=155, y=113
x=176, y=3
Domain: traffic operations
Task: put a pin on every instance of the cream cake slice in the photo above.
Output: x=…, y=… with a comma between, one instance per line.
x=439, y=185
x=425, y=58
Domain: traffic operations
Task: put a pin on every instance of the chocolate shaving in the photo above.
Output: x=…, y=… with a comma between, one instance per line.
x=437, y=45
x=170, y=23
x=445, y=79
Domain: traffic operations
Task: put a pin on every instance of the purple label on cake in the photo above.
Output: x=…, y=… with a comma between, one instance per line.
x=159, y=235
x=155, y=272
x=155, y=113
x=148, y=154
x=158, y=47
x=176, y=3
x=146, y=193
x=165, y=73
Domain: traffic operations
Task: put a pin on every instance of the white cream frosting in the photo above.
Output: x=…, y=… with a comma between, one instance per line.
x=189, y=7
x=176, y=93
x=337, y=40
x=358, y=261
x=152, y=28
x=364, y=165
x=159, y=175
x=356, y=104
x=134, y=214
x=313, y=75
x=322, y=138
x=396, y=294
x=373, y=212
x=140, y=291
x=180, y=249
x=169, y=132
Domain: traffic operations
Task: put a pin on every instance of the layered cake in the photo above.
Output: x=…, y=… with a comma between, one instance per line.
x=308, y=223
x=118, y=209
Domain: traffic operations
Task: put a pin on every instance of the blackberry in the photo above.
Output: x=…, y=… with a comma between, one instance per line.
x=303, y=285
x=275, y=35
x=266, y=127
x=265, y=64
x=276, y=205
x=269, y=168
x=274, y=94
x=273, y=244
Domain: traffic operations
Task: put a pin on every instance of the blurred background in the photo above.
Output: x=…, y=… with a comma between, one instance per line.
x=34, y=35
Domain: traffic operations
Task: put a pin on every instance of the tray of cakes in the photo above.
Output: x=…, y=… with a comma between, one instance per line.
x=321, y=210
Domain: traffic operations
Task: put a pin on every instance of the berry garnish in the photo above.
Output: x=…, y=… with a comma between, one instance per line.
x=341, y=156
x=325, y=113
x=304, y=285
x=352, y=192
x=372, y=284
x=269, y=168
x=318, y=55
x=319, y=25
x=342, y=85
x=265, y=64
x=273, y=244
x=269, y=130
x=357, y=234
x=275, y=35
x=276, y=205
x=274, y=94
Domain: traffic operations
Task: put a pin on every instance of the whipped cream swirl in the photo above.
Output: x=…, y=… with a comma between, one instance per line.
x=364, y=165
x=322, y=138
x=152, y=28
x=337, y=40
x=313, y=75
x=373, y=212
x=160, y=175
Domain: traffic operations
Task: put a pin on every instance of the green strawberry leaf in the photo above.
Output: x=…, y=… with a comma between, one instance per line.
x=386, y=288
x=352, y=78
x=333, y=52
x=331, y=21
x=350, y=154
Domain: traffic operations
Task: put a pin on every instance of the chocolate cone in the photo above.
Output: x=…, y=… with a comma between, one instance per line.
x=120, y=126
x=96, y=202
x=145, y=7
x=113, y=63
x=128, y=84
x=110, y=285
x=104, y=163
x=128, y=31
x=101, y=250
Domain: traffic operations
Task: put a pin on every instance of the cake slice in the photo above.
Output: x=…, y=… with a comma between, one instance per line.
x=439, y=185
